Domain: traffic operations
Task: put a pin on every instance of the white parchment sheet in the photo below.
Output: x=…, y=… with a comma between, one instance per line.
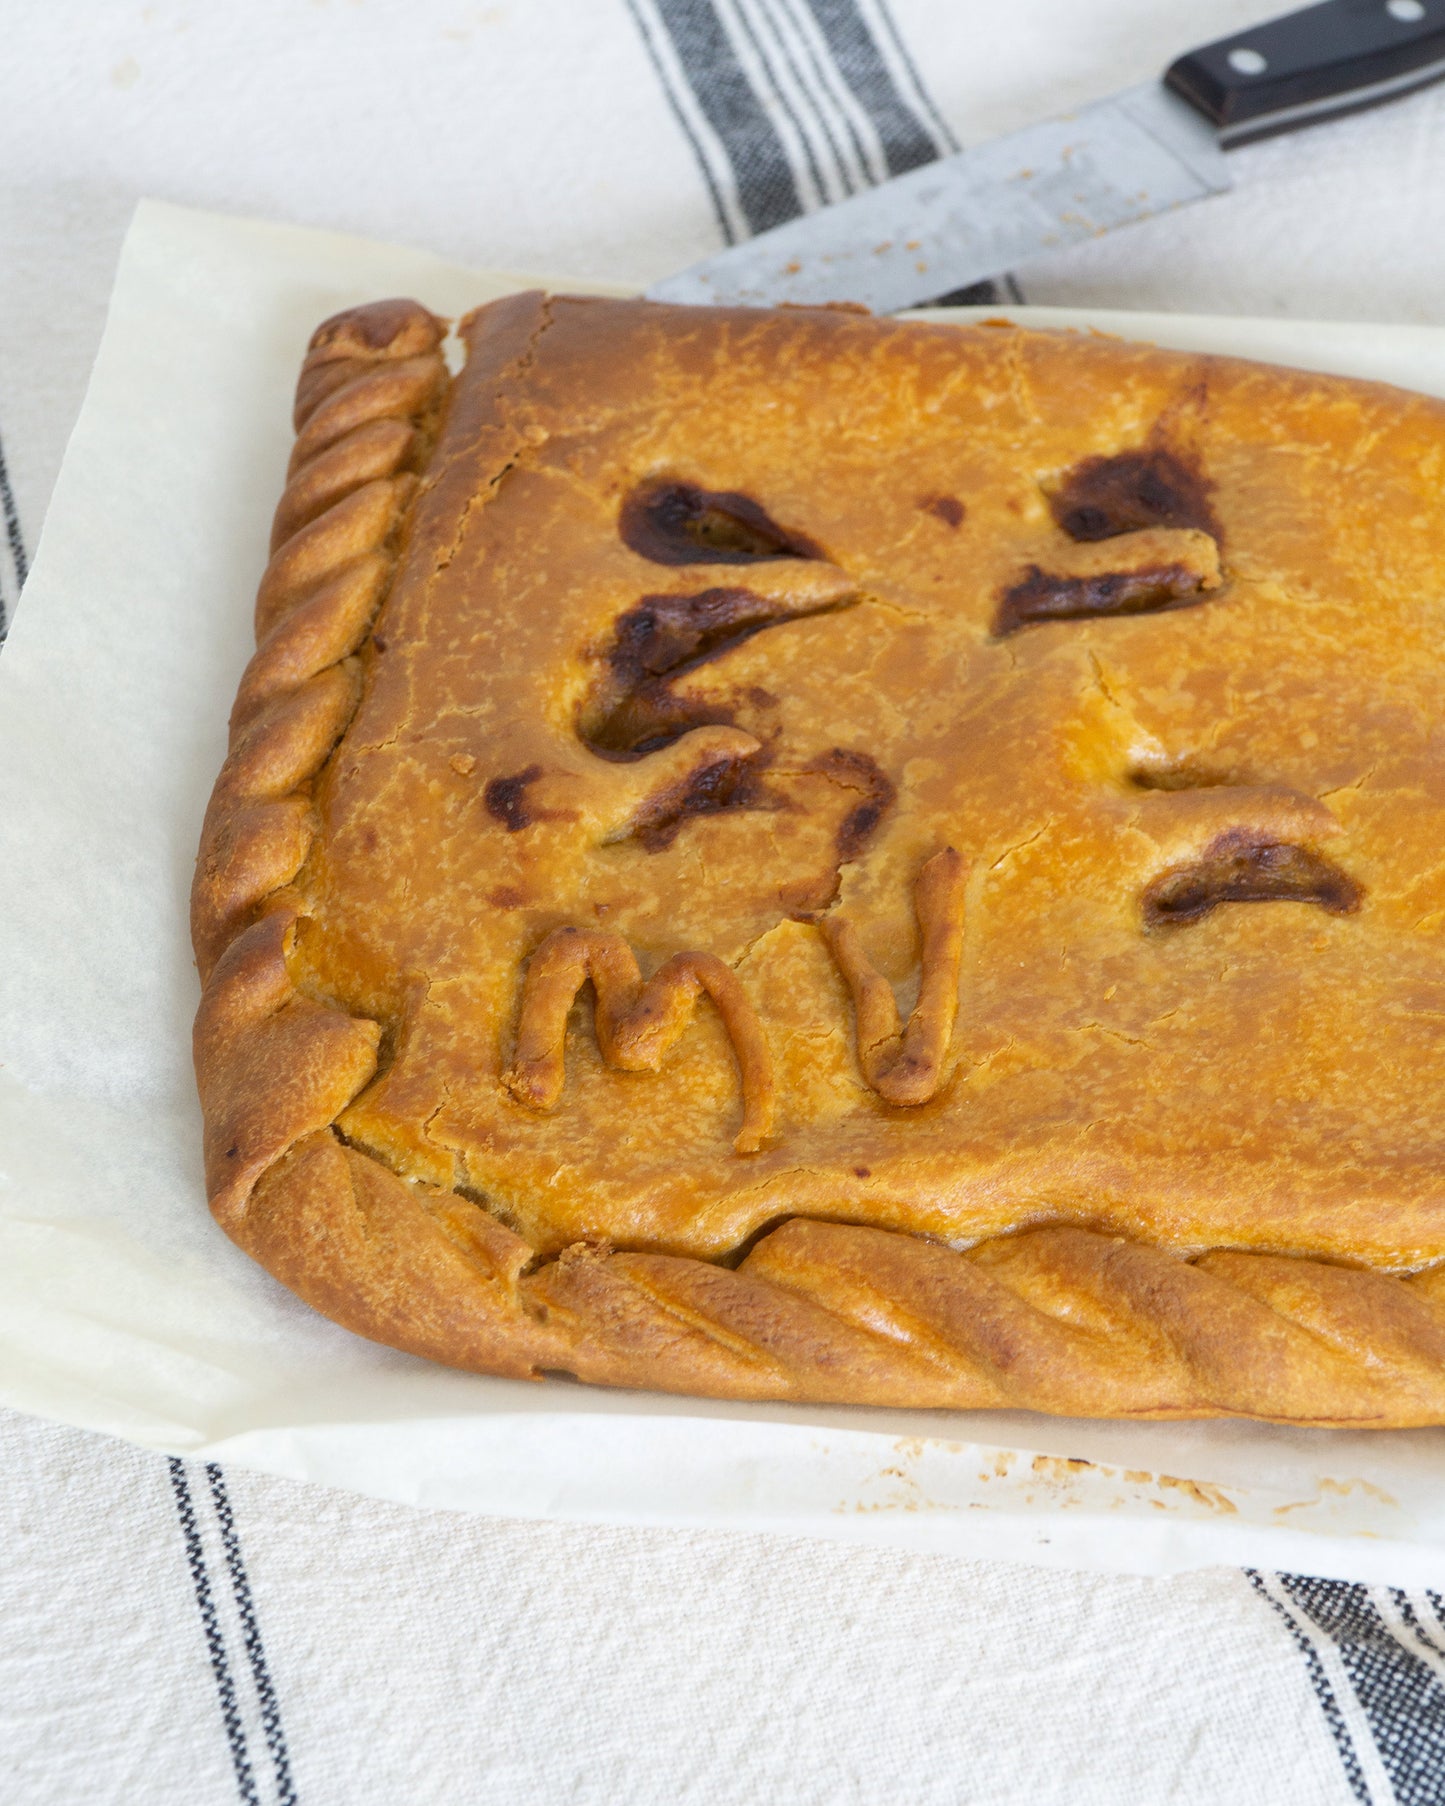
x=123, y=1309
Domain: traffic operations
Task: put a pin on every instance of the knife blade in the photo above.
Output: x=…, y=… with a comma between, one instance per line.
x=1151, y=148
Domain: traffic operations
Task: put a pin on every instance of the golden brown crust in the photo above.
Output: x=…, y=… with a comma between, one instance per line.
x=337, y=1108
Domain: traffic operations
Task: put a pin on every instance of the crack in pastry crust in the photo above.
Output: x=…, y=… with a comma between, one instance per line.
x=1053, y=1316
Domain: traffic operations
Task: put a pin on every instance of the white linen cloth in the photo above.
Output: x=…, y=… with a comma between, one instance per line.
x=178, y=1634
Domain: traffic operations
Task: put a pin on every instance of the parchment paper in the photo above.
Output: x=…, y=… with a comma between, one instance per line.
x=123, y=1309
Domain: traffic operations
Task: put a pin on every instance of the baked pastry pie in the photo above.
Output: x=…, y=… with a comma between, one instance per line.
x=797, y=856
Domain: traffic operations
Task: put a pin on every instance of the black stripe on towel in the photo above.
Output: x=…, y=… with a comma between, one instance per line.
x=922, y=101
x=251, y=1636
x=15, y=545
x=819, y=72
x=766, y=189
x=1428, y=1636
x=1402, y=1697
x=215, y=1641
x=1323, y=1691
x=761, y=31
x=684, y=124
x=908, y=139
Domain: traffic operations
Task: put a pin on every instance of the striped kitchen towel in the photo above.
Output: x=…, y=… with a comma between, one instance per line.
x=175, y=1633
x=186, y=1637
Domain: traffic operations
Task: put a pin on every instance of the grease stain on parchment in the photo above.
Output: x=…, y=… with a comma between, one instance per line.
x=1342, y=1489
x=921, y=1477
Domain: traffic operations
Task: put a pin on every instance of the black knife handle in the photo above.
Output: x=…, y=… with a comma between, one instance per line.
x=1309, y=65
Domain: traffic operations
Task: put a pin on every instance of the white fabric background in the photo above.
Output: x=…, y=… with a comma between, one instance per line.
x=446, y=1660
x=431, y=1658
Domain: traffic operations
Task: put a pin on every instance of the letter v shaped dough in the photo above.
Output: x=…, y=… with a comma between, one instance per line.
x=904, y=1065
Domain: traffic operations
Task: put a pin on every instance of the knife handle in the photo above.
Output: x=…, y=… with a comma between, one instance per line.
x=1310, y=65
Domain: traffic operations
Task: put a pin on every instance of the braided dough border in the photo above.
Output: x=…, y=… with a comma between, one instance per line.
x=1053, y=1319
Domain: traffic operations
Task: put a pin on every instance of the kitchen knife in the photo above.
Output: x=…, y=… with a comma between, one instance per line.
x=1154, y=147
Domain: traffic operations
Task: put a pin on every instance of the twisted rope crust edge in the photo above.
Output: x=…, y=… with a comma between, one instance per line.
x=1054, y=1319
